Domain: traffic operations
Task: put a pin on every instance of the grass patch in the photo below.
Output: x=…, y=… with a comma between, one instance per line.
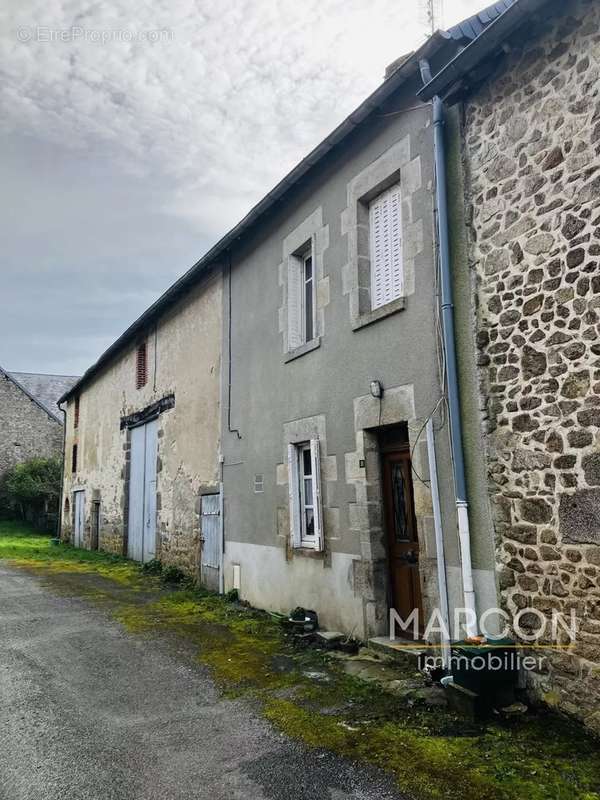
x=25, y=547
x=432, y=754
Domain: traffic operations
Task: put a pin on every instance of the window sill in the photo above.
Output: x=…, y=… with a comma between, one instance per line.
x=307, y=552
x=303, y=349
x=369, y=317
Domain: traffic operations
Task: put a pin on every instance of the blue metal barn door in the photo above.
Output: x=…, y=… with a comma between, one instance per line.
x=142, y=493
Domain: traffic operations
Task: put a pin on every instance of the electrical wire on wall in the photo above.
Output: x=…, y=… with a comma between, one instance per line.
x=405, y=110
x=442, y=403
x=229, y=428
x=441, y=352
x=155, y=354
x=439, y=340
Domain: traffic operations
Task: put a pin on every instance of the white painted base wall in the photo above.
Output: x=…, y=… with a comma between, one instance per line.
x=486, y=597
x=270, y=582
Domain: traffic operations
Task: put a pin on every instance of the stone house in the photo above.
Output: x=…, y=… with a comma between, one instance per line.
x=31, y=425
x=529, y=97
x=142, y=436
x=276, y=441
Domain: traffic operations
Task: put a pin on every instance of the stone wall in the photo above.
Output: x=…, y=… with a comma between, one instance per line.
x=26, y=430
x=532, y=157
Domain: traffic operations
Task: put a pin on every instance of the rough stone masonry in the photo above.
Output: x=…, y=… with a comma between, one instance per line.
x=532, y=159
x=26, y=429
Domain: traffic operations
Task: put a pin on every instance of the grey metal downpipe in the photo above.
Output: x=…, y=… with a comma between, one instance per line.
x=448, y=336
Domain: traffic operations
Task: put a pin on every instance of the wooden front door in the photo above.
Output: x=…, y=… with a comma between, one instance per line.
x=401, y=532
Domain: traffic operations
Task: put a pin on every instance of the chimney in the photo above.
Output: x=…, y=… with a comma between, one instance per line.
x=395, y=65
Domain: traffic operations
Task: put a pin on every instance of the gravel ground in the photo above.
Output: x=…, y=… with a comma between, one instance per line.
x=91, y=712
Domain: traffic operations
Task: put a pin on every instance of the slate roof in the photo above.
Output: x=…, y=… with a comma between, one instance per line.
x=473, y=26
x=511, y=16
x=46, y=390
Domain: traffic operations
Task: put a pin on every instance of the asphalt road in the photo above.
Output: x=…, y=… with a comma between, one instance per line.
x=89, y=711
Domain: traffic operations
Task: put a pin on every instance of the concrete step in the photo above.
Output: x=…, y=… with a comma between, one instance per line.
x=329, y=637
x=401, y=650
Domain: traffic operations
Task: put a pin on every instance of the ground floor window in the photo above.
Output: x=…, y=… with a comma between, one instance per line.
x=306, y=516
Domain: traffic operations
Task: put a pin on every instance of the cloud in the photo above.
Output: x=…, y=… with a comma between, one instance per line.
x=170, y=117
x=226, y=103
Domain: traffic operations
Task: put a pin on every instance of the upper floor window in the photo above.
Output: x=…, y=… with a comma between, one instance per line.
x=385, y=244
x=305, y=287
x=74, y=459
x=141, y=367
x=308, y=296
x=301, y=297
x=76, y=413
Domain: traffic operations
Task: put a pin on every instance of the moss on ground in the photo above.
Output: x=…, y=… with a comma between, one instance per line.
x=25, y=547
x=432, y=754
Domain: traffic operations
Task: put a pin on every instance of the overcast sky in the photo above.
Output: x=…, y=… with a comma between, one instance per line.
x=132, y=141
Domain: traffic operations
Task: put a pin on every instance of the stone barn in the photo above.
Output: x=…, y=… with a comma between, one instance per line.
x=31, y=424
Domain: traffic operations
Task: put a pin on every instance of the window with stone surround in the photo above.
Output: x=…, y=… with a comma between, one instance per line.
x=306, y=514
x=301, y=297
x=76, y=413
x=304, y=287
x=74, y=459
x=378, y=245
x=383, y=225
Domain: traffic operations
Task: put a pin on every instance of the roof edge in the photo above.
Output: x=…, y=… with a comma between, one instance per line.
x=316, y=155
x=20, y=386
x=496, y=32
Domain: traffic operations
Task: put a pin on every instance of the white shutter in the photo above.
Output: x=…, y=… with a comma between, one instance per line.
x=294, y=303
x=315, y=458
x=294, y=495
x=385, y=224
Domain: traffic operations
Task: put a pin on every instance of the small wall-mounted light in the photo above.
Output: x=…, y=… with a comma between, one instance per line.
x=376, y=389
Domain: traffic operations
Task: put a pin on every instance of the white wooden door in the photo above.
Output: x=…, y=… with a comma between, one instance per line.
x=79, y=518
x=211, y=527
x=211, y=530
x=142, y=493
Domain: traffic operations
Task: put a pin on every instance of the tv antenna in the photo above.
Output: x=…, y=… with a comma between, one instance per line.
x=432, y=12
